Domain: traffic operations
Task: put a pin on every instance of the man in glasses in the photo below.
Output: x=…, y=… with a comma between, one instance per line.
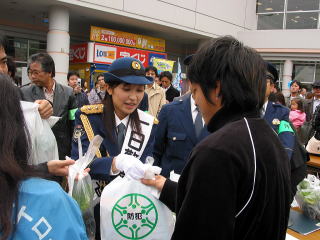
x=41, y=70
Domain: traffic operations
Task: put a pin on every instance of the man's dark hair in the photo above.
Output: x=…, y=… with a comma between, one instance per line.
x=166, y=74
x=46, y=62
x=100, y=75
x=4, y=43
x=297, y=82
x=72, y=73
x=12, y=69
x=240, y=70
x=152, y=68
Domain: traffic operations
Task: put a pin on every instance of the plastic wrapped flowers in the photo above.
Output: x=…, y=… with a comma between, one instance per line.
x=308, y=196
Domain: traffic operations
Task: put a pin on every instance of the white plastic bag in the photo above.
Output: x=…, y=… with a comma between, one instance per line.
x=82, y=190
x=128, y=210
x=44, y=145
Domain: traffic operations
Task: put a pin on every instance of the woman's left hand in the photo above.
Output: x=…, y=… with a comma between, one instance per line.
x=158, y=182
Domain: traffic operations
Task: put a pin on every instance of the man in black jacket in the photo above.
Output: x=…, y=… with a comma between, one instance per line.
x=166, y=80
x=235, y=184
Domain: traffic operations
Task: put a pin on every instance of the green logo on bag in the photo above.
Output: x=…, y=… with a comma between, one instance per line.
x=134, y=216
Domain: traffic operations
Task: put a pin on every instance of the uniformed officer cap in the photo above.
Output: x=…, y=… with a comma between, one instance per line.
x=272, y=72
x=127, y=70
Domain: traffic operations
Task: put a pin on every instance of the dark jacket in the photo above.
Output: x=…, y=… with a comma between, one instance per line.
x=81, y=99
x=63, y=101
x=296, y=153
x=175, y=136
x=144, y=104
x=171, y=93
x=217, y=183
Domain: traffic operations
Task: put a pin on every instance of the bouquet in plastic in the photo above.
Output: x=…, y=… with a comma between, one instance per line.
x=80, y=185
x=308, y=196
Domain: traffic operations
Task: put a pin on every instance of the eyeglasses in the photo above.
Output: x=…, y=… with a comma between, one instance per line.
x=35, y=72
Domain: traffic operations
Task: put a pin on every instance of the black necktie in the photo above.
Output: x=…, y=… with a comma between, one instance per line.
x=121, y=134
x=198, y=123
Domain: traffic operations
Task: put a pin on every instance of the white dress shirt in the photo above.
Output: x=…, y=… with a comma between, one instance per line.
x=316, y=103
x=194, y=110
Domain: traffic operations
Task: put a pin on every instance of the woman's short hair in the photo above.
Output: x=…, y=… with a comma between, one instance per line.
x=239, y=69
x=72, y=73
x=152, y=68
x=296, y=82
x=166, y=74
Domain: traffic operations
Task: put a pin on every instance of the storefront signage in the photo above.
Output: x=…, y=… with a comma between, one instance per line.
x=78, y=53
x=105, y=35
x=106, y=54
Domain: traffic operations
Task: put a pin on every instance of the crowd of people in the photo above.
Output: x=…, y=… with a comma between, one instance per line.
x=237, y=180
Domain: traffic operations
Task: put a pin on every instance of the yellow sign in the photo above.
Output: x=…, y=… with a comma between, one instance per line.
x=163, y=64
x=105, y=35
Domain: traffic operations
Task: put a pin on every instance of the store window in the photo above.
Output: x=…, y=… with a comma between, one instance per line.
x=302, y=20
x=270, y=21
x=302, y=5
x=317, y=75
x=270, y=6
x=288, y=14
x=303, y=72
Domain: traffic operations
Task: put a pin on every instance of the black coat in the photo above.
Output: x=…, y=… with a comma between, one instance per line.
x=171, y=93
x=218, y=180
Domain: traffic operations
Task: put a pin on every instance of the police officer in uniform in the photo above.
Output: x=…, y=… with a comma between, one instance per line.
x=277, y=117
x=128, y=133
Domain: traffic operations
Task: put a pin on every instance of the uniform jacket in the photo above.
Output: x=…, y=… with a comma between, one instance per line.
x=295, y=152
x=143, y=106
x=171, y=93
x=100, y=167
x=60, y=216
x=175, y=136
x=63, y=101
x=218, y=180
x=157, y=98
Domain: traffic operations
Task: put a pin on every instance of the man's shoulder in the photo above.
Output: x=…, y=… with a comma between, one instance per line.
x=28, y=87
x=280, y=108
x=65, y=88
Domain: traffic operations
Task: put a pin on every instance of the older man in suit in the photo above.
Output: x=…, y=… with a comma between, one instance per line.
x=41, y=70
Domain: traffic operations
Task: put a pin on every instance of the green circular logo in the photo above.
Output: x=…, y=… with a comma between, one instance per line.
x=134, y=216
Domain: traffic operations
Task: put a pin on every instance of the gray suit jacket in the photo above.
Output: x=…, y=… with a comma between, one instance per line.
x=63, y=101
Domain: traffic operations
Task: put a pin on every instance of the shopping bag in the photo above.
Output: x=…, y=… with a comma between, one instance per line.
x=82, y=190
x=128, y=210
x=43, y=142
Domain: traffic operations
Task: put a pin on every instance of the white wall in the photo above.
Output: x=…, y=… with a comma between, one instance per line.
x=281, y=39
x=205, y=17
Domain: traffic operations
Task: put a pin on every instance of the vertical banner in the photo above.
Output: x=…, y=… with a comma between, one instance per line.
x=163, y=64
x=177, y=80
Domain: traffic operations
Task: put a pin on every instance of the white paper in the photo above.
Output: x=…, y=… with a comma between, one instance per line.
x=289, y=237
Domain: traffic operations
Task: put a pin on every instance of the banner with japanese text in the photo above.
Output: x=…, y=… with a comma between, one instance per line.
x=106, y=54
x=163, y=64
x=111, y=36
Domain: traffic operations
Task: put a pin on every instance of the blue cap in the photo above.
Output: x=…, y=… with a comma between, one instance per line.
x=127, y=70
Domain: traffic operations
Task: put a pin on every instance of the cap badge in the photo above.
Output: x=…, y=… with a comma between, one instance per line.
x=135, y=65
x=276, y=121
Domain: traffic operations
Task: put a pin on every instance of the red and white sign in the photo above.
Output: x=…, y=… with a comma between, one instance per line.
x=78, y=53
x=104, y=53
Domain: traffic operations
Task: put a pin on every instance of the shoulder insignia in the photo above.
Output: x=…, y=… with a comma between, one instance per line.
x=155, y=121
x=276, y=121
x=285, y=127
x=92, y=109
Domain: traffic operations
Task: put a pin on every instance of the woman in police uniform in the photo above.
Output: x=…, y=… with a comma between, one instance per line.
x=127, y=131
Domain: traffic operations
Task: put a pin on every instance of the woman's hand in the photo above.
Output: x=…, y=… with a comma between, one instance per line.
x=158, y=182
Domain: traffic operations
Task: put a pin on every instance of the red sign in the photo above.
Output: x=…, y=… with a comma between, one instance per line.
x=78, y=53
x=107, y=54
